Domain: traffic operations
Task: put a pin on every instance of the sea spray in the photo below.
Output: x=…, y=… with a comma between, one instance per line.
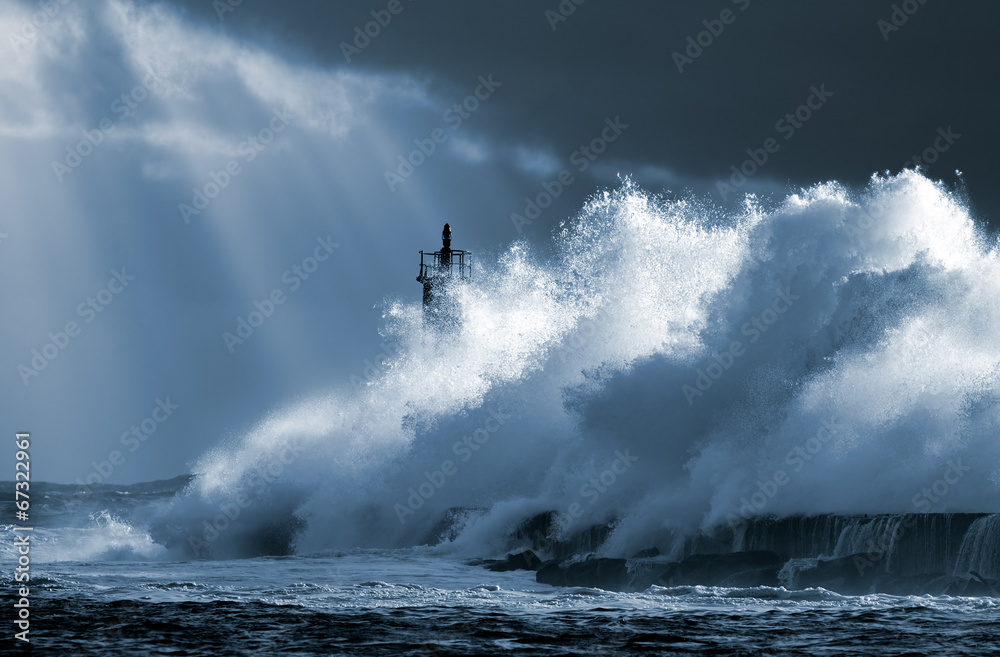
x=894, y=330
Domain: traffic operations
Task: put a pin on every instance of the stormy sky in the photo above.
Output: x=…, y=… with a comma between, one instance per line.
x=169, y=167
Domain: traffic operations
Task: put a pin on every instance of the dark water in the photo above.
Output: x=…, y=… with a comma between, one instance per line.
x=101, y=586
x=89, y=627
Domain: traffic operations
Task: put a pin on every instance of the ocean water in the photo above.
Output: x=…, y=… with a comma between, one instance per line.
x=414, y=601
x=101, y=586
x=661, y=369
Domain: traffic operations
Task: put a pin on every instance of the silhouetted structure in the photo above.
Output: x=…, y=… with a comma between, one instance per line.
x=446, y=264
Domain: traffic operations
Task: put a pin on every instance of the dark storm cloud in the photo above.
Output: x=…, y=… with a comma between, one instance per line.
x=898, y=72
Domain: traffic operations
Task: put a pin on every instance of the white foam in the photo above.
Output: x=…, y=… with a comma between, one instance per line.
x=892, y=336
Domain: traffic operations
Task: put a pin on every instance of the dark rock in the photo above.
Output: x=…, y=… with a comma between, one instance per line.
x=959, y=586
x=922, y=547
x=920, y=542
x=748, y=579
x=526, y=560
x=647, y=553
x=537, y=531
x=975, y=586
x=913, y=584
x=449, y=526
x=945, y=585
x=743, y=569
x=665, y=575
x=551, y=572
x=544, y=533
x=713, y=569
x=581, y=542
x=939, y=584
x=600, y=573
x=989, y=586
x=850, y=575
x=644, y=573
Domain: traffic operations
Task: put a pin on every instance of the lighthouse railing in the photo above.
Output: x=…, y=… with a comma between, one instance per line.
x=458, y=265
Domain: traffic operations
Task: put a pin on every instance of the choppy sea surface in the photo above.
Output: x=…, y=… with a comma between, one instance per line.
x=413, y=602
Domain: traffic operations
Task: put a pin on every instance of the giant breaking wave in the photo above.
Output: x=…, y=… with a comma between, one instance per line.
x=669, y=369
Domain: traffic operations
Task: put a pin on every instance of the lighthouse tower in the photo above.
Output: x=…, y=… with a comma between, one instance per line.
x=445, y=265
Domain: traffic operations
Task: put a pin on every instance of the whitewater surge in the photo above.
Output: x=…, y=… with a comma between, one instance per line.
x=671, y=367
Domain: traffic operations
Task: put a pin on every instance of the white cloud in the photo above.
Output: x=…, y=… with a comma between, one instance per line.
x=535, y=162
x=33, y=44
x=157, y=170
x=179, y=136
x=195, y=62
x=211, y=88
x=469, y=151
